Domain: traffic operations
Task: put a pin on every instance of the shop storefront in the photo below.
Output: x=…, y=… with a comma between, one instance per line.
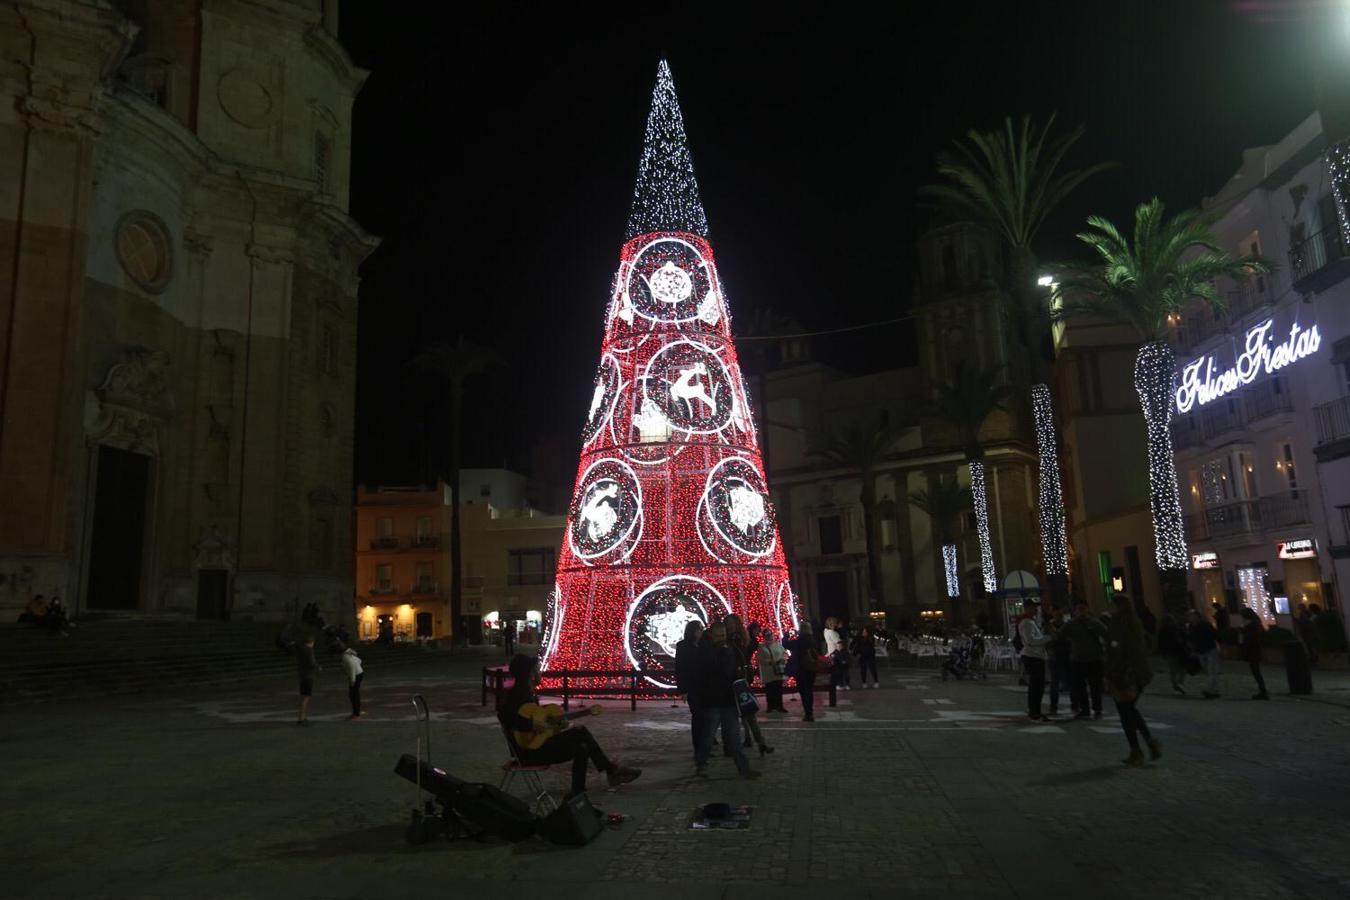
x=527, y=624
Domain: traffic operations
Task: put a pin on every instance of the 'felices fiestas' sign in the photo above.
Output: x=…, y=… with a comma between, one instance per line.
x=1201, y=383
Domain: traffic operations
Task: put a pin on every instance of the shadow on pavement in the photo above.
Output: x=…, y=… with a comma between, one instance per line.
x=1085, y=776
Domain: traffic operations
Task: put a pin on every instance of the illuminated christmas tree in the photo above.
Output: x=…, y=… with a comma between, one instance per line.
x=670, y=519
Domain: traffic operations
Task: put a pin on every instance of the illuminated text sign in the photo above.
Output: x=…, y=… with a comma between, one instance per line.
x=1201, y=383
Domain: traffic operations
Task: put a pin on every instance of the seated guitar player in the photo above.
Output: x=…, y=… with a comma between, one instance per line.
x=576, y=743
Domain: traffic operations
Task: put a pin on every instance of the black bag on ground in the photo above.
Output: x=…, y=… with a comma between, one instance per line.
x=494, y=811
x=576, y=822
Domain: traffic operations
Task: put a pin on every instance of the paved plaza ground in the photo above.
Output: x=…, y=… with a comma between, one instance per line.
x=922, y=788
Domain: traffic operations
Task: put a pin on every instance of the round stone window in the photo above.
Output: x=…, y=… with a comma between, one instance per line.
x=144, y=250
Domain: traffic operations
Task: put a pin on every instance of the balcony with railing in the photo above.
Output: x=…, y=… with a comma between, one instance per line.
x=426, y=541
x=1319, y=261
x=1241, y=517
x=1186, y=433
x=1284, y=509
x=388, y=542
x=1267, y=398
x=1333, y=429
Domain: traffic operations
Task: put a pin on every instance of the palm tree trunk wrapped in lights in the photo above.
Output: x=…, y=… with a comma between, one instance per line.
x=1149, y=282
x=1338, y=167
x=977, y=491
x=1154, y=371
x=1054, y=544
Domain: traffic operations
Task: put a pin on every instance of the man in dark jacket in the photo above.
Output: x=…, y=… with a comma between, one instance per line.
x=687, y=675
x=1204, y=641
x=1086, y=636
x=718, y=667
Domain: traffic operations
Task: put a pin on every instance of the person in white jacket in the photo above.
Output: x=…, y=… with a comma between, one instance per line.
x=771, y=659
x=1033, y=655
x=351, y=664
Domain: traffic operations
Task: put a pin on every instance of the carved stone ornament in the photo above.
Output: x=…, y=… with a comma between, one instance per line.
x=245, y=99
x=129, y=408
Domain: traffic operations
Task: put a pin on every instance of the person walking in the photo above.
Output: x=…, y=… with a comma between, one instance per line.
x=1127, y=674
x=351, y=665
x=306, y=667
x=866, y=648
x=739, y=639
x=687, y=677
x=1172, y=646
x=1086, y=636
x=770, y=658
x=1033, y=656
x=1253, y=636
x=717, y=671
x=1204, y=642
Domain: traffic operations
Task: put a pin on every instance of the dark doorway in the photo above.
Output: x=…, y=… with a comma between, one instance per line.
x=424, y=624
x=118, y=535
x=211, y=594
x=386, y=629
x=832, y=595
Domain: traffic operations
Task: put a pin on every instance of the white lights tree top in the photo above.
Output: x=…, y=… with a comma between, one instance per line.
x=665, y=197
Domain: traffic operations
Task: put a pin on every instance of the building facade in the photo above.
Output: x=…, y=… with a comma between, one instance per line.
x=962, y=319
x=179, y=306
x=508, y=555
x=1260, y=448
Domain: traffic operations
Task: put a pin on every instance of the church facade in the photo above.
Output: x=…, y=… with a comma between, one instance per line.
x=177, y=306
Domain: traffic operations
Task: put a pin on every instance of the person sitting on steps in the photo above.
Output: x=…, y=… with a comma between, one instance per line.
x=576, y=743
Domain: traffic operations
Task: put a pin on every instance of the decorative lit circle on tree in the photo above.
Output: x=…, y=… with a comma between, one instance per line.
x=735, y=516
x=606, y=389
x=668, y=280
x=605, y=520
x=785, y=610
x=656, y=621
x=688, y=383
x=640, y=430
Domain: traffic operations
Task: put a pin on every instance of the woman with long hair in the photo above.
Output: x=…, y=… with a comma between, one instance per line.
x=739, y=640
x=1127, y=674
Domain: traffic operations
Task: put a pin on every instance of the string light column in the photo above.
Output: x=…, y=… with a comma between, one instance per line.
x=1154, y=371
x=981, y=502
x=1338, y=166
x=671, y=519
x=1054, y=544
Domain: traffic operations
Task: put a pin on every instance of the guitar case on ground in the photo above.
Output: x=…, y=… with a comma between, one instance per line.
x=483, y=808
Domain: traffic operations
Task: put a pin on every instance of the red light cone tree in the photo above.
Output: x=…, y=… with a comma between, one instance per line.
x=670, y=519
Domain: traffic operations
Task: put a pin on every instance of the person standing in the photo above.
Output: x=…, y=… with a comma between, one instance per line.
x=1127, y=674
x=687, y=676
x=770, y=658
x=806, y=663
x=1172, y=646
x=739, y=639
x=1033, y=656
x=1086, y=636
x=351, y=665
x=1253, y=637
x=717, y=671
x=306, y=667
x=509, y=638
x=1306, y=626
x=867, y=657
x=1057, y=662
x=1204, y=641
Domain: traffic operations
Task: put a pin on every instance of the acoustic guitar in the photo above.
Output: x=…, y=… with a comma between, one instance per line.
x=547, y=721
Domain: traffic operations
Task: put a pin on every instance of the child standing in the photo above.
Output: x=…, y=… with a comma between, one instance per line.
x=351, y=664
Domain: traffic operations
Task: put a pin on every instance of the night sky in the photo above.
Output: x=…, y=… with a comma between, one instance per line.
x=495, y=153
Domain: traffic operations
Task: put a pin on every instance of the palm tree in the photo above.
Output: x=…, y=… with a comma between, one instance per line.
x=862, y=447
x=966, y=402
x=454, y=364
x=944, y=500
x=1011, y=182
x=1146, y=282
